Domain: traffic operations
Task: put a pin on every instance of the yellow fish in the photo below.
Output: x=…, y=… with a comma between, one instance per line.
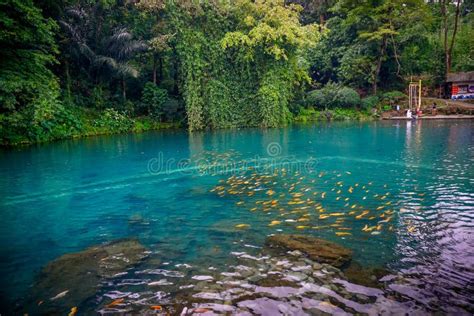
x=353, y=206
x=303, y=219
x=274, y=223
x=351, y=189
x=411, y=229
x=240, y=203
x=243, y=226
x=270, y=192
x=338, y=191
x=116, y=302
x=336, y=214
x=302, y=227
x=343, y=234
x=323, y=216
x=368, y=229
x=323, y=195
x=380, y=207
x=362, y=214
x=74, y=310
x=295, y=202
x=337, y=199
x=386, y=220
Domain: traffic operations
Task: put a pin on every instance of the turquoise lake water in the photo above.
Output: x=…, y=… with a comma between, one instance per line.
x=399, y=194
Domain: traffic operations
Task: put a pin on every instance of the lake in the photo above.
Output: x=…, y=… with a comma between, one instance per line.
x=400, y=195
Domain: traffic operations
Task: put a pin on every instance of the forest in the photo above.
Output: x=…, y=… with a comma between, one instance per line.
x=82, y=67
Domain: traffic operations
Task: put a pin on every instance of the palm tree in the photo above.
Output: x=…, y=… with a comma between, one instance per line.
x=117, y=52
x=107, y=55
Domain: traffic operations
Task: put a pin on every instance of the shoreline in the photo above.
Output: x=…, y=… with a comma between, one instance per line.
x=434, y=117
x=179, y=126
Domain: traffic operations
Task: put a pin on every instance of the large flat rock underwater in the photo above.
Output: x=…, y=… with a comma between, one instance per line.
x=73, y=278
x=316, y=249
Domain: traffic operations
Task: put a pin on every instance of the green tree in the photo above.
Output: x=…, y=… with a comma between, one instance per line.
x=379, y=23
x=28, y=48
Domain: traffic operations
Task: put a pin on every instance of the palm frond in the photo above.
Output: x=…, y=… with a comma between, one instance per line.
x=126, y=70
x=105, y=61
x=131, y=48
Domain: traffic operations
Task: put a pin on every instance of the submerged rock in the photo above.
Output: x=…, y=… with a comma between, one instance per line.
x=367, y=276
x=316, y=249
x=78, y=274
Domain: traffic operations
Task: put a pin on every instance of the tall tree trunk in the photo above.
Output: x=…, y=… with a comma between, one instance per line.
x=68, y=79
x=453, y=38
x=160, y=69
x=124, y=90
x=176, y=72
x=154, y=69
x=383, y=46
x=444, y=15
x=448, y=47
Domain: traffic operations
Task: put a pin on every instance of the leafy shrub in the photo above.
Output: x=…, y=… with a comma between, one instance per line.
x=98, y=97
x=153, y=97
x=370, y=102
x=114, y=121
x=333, y=95
x=172, y=109
x=393, y=97
x=347, y=97
x=44, y=119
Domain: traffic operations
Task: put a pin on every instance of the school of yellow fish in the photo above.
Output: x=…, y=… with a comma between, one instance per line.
x=305, y=202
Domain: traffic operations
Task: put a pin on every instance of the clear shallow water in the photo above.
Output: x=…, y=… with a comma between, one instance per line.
x=415, y=179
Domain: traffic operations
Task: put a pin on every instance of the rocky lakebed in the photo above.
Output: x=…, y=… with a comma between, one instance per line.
x=289, y=275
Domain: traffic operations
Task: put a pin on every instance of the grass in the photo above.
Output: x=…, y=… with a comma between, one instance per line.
x=337, y=114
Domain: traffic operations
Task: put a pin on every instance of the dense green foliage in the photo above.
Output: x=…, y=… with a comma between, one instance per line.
x=81, y=67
